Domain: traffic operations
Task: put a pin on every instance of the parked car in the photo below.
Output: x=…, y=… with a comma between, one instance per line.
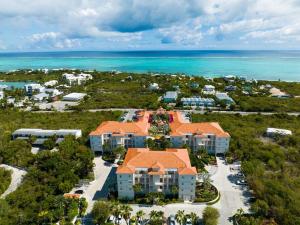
x=171, y=220
x=79, y=192
x=188, y=222
x=241, y=182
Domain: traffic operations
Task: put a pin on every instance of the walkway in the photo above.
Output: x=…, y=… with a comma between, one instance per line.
x=16, y=179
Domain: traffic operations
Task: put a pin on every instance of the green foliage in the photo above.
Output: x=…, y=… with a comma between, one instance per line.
x=5, y=179
x=210, y=216
x=101, y=212
x=271, y=166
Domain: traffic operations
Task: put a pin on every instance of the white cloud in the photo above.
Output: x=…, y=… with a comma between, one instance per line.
x=187, y=22
x=53, y=40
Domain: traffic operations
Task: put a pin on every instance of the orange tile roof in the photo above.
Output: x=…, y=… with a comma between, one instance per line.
x=68, y=195
x=178, y=127
x=159, y=160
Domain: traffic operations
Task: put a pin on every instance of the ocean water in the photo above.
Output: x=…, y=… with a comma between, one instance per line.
x=267, y=65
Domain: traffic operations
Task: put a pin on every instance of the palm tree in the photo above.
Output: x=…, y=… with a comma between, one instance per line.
x=116, y=211
x=140, y=215
x=180, y=217
x=156, y=215
x=238, y=215
x=126, y=212
x=194, y=218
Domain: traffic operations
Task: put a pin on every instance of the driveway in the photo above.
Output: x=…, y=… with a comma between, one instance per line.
x=232, y=198
x=97, y=189
x=16, y=179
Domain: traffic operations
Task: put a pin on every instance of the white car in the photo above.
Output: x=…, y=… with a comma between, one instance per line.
x=188, y=221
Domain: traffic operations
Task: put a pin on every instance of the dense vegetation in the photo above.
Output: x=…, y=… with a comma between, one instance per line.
x=271, y=166
x=127, y=90
x=5, y=179
x=39, y=199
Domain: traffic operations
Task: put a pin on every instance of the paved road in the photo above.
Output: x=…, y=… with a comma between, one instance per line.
x=17, y=176
x=191, y=111
x=232, y=198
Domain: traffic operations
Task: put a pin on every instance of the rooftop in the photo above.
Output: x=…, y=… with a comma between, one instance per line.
x=157, y=162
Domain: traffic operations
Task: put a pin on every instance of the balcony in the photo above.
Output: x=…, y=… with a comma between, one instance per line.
x=158, y=183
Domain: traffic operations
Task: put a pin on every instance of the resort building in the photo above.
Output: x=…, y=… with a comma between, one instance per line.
x=170, y=96
x=198, y=101
x=272, y=132
x=77, y=79
x=157, y=171
x=209, y=90
x=51, y=83
x=31, y=88
x=209, y=136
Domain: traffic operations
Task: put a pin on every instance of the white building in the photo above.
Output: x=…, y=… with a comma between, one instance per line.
x=30, y=88
x=198, y=101
x=77, y=79
x=157, y=171
x=153, y=87
x=40, y=97
x=51, y=83
x=209, y=90
x=40, y=133
x=223, y=96
x=271, y=132
x=74, y=96
x=209, y=136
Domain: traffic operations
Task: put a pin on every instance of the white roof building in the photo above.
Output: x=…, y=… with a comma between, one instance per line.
x=40, y=133
x=276, y=131
x=209, y=90
x=40, y=97
x=51, y=83
x=153, y=87
x=74, y=96
x=77, y=79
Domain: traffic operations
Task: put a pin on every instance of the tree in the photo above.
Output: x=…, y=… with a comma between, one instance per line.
x=174, y=190
x=156, y=217
x=180, y=217
x=210, y=216
x=120, y=150
x=194, y=218
x=116, y=211
x=140, y=215
x=137, y=188
x=126, y=212
x=100, y=212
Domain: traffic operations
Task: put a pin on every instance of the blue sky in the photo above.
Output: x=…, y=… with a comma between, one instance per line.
x=56, y=25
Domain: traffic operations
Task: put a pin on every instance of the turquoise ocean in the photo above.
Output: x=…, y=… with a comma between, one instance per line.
x=261, y=65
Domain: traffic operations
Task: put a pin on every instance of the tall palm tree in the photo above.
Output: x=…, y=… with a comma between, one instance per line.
x=140, y=215
x=180, y=217
x=126, y=212
x=156, y=215
x=194, y=218
x=116, y=211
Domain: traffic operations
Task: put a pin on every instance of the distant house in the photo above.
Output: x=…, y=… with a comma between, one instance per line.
x=40, y=97
x=222, y=96
x=229, y=78
x=170, y=96
x=271, y=132
x=4, y=87
x=198, y=101
x=209, y=90
x=51, y=83
x=153, y=87
x=277, y=93
x=194, y=85
x=230, y=88
x=77, y=79
x=74, y=97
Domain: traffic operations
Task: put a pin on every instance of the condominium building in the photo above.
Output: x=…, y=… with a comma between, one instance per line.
x=77, y=79
x=209, y=135
x=157, y=171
